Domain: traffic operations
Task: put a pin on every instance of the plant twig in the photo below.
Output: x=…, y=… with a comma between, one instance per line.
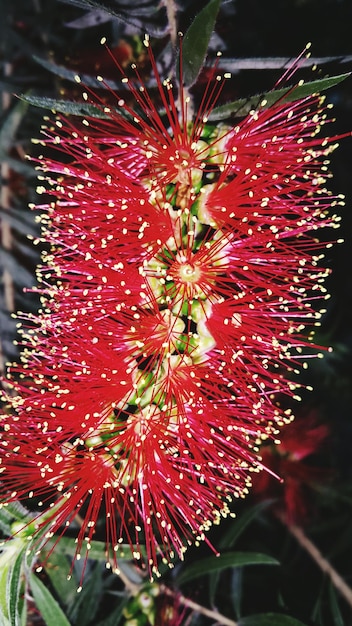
x=321, y=561
x=171, y=17
x=198, y=608
x=131, y=587
x=134, y=588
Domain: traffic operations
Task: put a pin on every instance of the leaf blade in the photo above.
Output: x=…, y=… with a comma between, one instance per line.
x=97, y=552
x=196, y=41
x=66, y=588
x=269, y=619
x=65, y=106
x=218, y=563
x=90, y=597
x=13, y=587
x=241, y=107
x=50, y=610
x=114, y=618
x=230, y=537
x=240, y=524
x=67, y=74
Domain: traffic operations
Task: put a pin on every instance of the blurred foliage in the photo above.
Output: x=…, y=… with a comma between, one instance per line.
x=38, y=36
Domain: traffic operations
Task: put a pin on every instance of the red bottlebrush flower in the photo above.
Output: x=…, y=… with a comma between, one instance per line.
x=183, y=260
x=299, y=440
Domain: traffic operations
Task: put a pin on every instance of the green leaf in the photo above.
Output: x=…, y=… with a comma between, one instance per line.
x=218, y=563
x=3, y=619
x=56, y=568
x=240, y=524
x=65, y=106
x=269, y=619
x=5, y=525
x=241, y=107
x=18, y=511
x=3, y=597
x=115, y=616
x=111, y=10
x=214, y=578
x=47, y=605
x=74, y=108
x=97, y=4
x=67, y=74
x=235, y=530
x=317, y=608
x=68, y=545
x=237, y=590
x=334, y=607
x=13, y=586
x=90, y=597
x=196, y=41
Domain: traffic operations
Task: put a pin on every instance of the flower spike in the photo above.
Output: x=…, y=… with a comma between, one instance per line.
x=183, y=267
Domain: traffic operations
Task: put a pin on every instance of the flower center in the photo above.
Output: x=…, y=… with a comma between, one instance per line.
x=189, y=272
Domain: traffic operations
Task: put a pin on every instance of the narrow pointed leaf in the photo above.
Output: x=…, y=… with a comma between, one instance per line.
x=50, y=610
x=218, y=563
x=229, y=64
x=111, y=10
x=92, y=18
x=18, y=511
x=5, y=517
x=239, y=525
x=14, y=581
x=67, y=74
x=82, y=4
x=269, y=619
x=65, y=106
x=57, y=568
x=115, y=616
x=96, y=4
x=3, y=599
x=196, y=41
x=241, y=107
x=334, y=607
x=4, y=527
x=237, y=590
x=235, y=530
x=97, y=552
x=90, y=597
x=3, y=619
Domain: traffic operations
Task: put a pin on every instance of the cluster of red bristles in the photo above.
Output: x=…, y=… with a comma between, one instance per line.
x=183, y=267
